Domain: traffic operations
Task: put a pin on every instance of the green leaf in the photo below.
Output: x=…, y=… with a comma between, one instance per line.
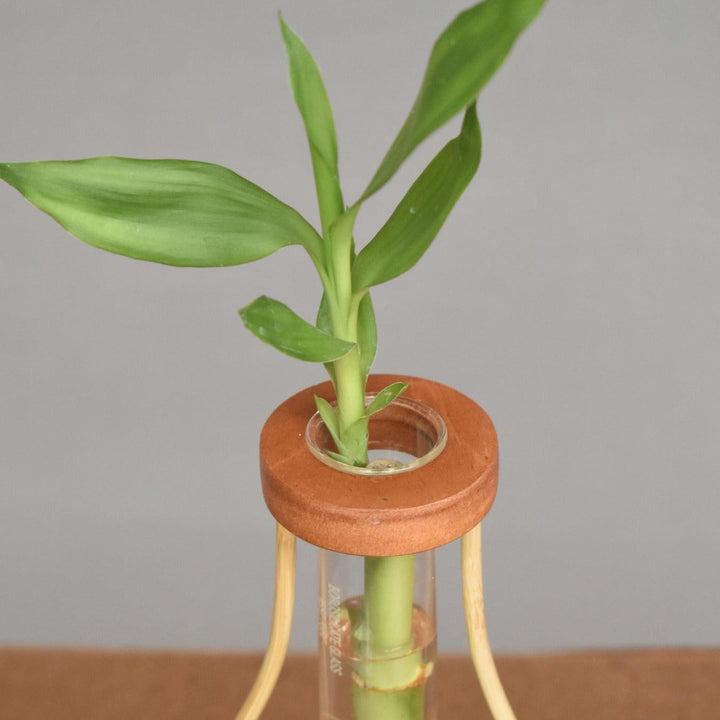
x=463, y=59
x=329, y=416
x=176, y=212
x=367, y=334
x=323, y=322
x=312, y=101
x=411, y=228
x=276, y=324
x=353, y=439
x=352, y=442
x=385, y=397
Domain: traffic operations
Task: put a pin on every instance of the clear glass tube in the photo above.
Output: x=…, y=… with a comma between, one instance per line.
x=378, y=637
x=377, y=658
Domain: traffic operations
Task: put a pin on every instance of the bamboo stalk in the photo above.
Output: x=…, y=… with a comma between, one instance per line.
x=281, y=625
x=477, y=630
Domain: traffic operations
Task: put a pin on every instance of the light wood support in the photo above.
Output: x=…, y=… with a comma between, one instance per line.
x=281, y=626
x=477, y=629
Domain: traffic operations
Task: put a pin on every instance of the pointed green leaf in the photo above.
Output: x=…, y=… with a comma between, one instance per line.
x=367, y=336
x=312, y=101
x=329, y=416
x=464, y=58
x=323, y=322
x=276, y=324
x=356, y=434
x=385, y=397
x=176, y=212
x=411, y=228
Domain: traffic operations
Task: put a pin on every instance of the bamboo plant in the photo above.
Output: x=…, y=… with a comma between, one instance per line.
x=186, y=213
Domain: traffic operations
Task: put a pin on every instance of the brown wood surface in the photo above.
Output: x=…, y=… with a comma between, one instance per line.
x=381, y=515
x=51, y=684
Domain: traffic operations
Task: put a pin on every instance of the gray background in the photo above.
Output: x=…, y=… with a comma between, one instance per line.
x=573, y=293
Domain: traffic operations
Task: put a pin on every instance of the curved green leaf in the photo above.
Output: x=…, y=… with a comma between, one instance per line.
x=463, y=59
x=329, y=415
x=312, y=101
x=367, y=335
x=357, y=435
x=385, y=397
x=176, y=212
x=276, y=324
x=411, y=228
x=323, y=322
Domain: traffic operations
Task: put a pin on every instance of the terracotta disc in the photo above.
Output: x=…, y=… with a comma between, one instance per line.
x=384, y=514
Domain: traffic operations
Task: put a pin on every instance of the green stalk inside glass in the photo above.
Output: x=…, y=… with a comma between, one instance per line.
x=378, y=637
x=185, y=213
x=393, y=688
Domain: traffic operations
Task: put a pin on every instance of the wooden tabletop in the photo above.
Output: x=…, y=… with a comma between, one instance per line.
x=57, y=684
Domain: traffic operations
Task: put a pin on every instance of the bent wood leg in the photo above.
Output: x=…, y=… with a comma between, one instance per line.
x=477, y=630
x=281, y=625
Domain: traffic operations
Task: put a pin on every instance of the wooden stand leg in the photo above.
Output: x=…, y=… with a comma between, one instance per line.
x=477, y=630
x=281, y=625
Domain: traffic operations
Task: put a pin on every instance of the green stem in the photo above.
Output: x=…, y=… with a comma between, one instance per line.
x=389, y=680
x=389, y=583
x=348, y=373
x=350, y=389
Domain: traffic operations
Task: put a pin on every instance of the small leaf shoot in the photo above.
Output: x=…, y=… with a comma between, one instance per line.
x=276, y=324
x=385, y=397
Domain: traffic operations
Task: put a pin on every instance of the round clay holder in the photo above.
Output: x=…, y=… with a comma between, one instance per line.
x=393, y=512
